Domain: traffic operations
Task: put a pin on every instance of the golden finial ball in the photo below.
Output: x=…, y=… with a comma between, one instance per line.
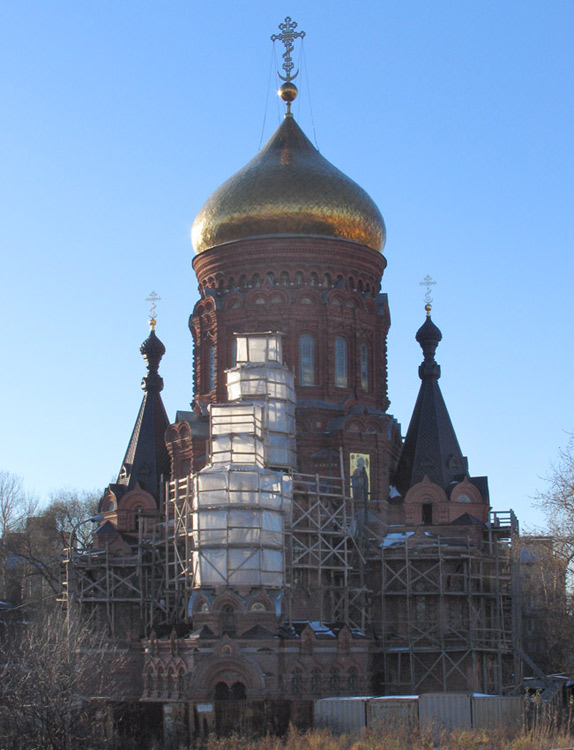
x=288, y=91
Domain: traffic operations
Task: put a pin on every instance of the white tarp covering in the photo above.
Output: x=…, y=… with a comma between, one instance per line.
x=236, y=418
x=259, y=381
x=239, y=508
x=240, y=567
x=238, y=526
x=237, y=449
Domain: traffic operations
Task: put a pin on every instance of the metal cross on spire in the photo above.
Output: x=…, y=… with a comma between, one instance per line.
x=153, y=298
x=287, y=35
x=429, y=282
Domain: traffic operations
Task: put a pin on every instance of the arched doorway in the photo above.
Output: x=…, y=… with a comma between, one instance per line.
x=222, y=692
x=230, y=708
x=238, y=692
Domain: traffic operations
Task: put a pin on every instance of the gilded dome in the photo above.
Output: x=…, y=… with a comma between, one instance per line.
x=288, y=189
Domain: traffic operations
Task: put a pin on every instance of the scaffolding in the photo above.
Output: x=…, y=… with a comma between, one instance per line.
x=326, y=554
x=247, y=520
x=443, y=610
x=448, y=611
x=127, y=592
x=320, y=557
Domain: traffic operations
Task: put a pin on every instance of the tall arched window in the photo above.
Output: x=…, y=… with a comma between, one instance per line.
x=340, y=362
x=210, y=367
x=228, y=619
x=365, y=367
x=334, y=682
x=306, y=359
x=352, y=680
x=315, y=681
x=296, y=682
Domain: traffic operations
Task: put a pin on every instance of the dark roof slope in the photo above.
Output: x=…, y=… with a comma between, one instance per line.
x=431, y=447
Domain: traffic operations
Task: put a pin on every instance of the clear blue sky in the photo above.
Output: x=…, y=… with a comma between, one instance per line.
x=120, y=118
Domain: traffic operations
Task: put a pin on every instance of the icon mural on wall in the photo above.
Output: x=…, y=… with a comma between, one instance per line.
x=360, y=472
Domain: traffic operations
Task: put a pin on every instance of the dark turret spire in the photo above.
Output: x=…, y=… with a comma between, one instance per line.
x=152, y=350
x=431, y=447
x=147, y=458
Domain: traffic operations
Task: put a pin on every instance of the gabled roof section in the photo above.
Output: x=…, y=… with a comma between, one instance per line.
x=147, y=458
x=431, y=447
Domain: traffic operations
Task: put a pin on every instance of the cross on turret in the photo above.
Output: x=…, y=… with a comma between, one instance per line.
x=429, y=282
x=153, y=298
x=287, y=35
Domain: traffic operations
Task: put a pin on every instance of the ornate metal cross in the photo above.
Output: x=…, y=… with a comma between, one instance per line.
x=153, y=298
x=429, y=282
x=287, y=35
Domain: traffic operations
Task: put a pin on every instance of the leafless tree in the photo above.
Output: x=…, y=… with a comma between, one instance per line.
x=34, y=541
x=54, y=685
x=547, y=617
x=557, y=501
x=548, y=568
x=15, y=507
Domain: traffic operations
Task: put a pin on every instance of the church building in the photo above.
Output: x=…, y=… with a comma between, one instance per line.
x=281, y=542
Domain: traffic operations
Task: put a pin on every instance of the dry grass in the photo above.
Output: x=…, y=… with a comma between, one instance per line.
x=536, y=739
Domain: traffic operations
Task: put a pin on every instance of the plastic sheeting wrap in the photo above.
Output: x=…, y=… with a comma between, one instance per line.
x=239, y=507
x=236, y=418
x=237, y=449
x=224, y=485
x=260, y=380
x=239, y=567
x=238, y=526
x=281, y=451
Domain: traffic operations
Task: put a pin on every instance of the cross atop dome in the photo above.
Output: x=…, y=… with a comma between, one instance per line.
x=153, y=298
x=287, y=35
x=288, y=91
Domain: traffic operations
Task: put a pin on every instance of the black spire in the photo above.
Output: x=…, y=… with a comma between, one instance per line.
x=431, y=447
x=152, y=350
x=147, y=458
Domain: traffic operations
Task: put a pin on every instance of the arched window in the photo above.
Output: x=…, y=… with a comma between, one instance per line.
x=365, y=367
x=138, y=514
x=352, y=680
x=228, y=620
x=233, y=352
x=340, y=362
x=210, y=367
x=296, y=682
x=306, y=359
x=334, y=681
x=315, y=681
x=285, y=278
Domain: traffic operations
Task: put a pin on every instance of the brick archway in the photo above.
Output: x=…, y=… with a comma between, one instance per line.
x=228, y=670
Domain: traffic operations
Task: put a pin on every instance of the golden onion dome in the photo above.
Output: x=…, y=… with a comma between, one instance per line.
x=288, y=189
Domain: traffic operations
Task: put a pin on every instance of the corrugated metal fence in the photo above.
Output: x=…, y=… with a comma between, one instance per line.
x=430, y=710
